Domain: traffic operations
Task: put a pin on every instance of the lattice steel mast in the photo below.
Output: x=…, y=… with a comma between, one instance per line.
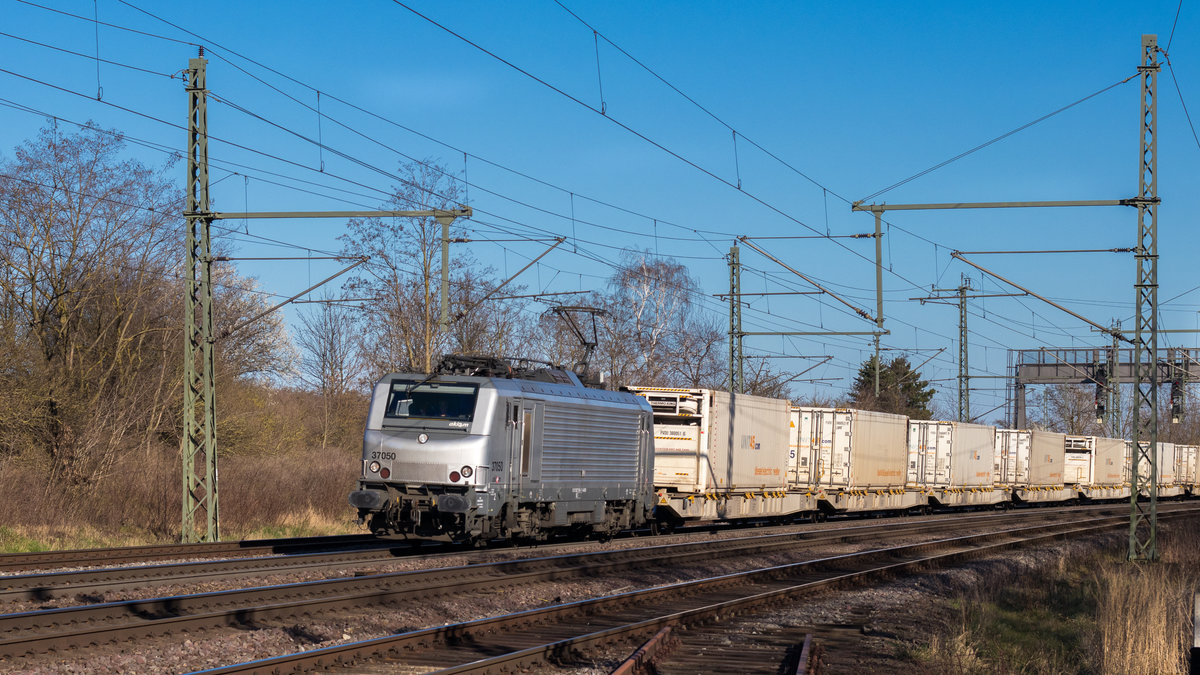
x=736, y=367
x=1143, y=517
x=199, y=445
x=201, y=516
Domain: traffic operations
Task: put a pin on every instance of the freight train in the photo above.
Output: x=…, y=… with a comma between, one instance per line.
x=487, y=448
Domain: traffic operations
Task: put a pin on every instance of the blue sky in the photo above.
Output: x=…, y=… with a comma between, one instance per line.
x=856, y=96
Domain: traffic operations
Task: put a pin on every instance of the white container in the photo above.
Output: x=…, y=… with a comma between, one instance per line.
x=1011, y=445
x=1166, y=464
x=1186, y=460
x=844, y=448
x=1110, y=463
x=950, y=454
x=713, y=440
x=1045, y=460
x=1079, y=459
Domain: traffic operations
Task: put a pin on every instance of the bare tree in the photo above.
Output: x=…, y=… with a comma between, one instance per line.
x=762, y=380
x=487, y=326
x=696, y=355
x=330, y=362
x=1070, y=409
x=650, y=323
x=401, y=329
x=88, y=250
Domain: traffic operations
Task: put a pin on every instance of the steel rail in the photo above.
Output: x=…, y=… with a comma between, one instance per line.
x=41, y=631
x=636, y=614
x=45, y=586
x=108, y=556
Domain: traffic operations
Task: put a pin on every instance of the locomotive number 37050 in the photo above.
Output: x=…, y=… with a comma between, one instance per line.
x=378, y=454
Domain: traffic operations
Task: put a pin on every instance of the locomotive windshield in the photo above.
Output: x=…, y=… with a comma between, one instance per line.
x=431, y=400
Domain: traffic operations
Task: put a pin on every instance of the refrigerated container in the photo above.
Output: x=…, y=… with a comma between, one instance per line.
x=844, y=448
x=950, y=454
x=1110, y=461
x=1007, y=466
x=709, y=440
x=1045, y=459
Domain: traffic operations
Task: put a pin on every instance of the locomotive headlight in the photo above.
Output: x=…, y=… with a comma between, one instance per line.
x=466, y=471
x=454, y=477
x=422, y=438
x=374, y=467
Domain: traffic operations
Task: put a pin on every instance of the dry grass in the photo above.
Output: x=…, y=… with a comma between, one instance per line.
x=1144, y=611
x=1091, y=614
x=297, y=493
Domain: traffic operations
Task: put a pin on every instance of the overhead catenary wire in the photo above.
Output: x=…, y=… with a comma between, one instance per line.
x=754, y=197
x=1182, y=101
x=392, y=122
x=995, y=140
x=694, y=230
x=824, y=189
x=91, y=57
x=109, y=25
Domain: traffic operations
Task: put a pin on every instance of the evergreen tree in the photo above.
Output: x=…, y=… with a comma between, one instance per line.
x=901, y=389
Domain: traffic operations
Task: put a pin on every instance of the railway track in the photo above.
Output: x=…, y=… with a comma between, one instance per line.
x=46, y=586
x=48, y=560
x=71, y=628
x=42, y=587
x=287, y=556
x=560, y=634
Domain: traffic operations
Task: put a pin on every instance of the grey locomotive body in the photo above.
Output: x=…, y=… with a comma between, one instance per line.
x=504, y=455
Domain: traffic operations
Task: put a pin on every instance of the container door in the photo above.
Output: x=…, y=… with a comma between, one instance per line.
x=841, y=429
x=823, y=433
x=916, y=453
x=801, y=447
x=939, y=463
x=998, y=457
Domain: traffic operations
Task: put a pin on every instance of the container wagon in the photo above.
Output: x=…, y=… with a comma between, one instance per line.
x=719, y=455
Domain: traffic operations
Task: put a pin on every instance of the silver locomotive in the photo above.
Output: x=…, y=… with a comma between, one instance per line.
x=483, y=449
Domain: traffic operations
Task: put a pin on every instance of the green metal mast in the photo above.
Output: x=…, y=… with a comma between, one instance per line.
x=1143, y=517
x=201, y=515
x=736, y=368
x=1114, y=383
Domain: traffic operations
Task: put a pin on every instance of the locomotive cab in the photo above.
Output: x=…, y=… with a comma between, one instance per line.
x=425, y=463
